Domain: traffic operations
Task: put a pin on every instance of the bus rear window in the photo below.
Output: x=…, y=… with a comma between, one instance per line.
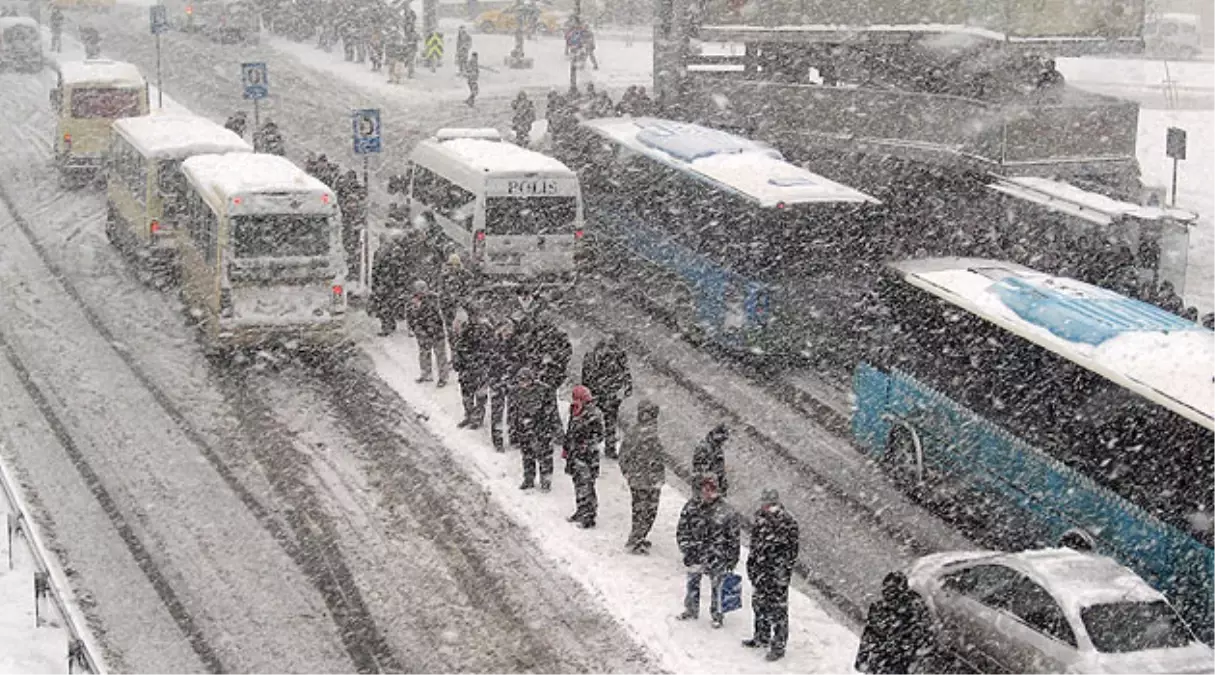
x=280, y=236
x=103, y=103
x=530, y=215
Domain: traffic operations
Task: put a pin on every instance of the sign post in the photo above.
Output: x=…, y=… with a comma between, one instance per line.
x=366, y=135
x=1174, y=147
x=257, y=86
x=159, y=19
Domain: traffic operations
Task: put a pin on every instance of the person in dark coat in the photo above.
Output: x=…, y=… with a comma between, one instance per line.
x=56, y=29
x=425, y=318
x=327, y=172
x=643, y=465
x=473, y=74
x=237, y=123
x=505, y=364
x=456, y=283
x=898, y=630
x=606, y=371
x=390, y=277
x=710, y=456
x=352, y=201
x=533, y=430
x=708, y=538
x=774, y=546
x=472, y=354
x=1168, y=299
x=522, y=119
x=463, y=50
x=1208, y=320
x=269, y=140
x=581, y=453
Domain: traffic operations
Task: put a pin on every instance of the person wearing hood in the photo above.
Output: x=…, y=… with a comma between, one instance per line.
x=533, y=430
x=425, y=318
x=606, y=371
x=581, y=453
x=774, y=546
x=642, y=463
x=708, y=538
x=898, y=630
x=710, y=456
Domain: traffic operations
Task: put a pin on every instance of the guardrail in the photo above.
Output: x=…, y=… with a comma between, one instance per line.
x=83, y=655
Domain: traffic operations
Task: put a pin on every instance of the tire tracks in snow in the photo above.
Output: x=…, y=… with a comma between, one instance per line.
x=362, y=646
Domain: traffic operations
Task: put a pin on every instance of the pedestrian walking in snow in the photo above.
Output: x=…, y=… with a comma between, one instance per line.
x=533, y=430
x=774, y=547
x=56, y=29
x=606, y=371
x=463, y=50
x=898, y=630
x=581, y=453
x=472, y=358
x=643, y=464
x=237, y=123
x=708, y=538
x=425, y=318
x=390, y=282
x=710, y=456
x=588, y=44
x=394, y=54
x=473, y=74
x=522, y=118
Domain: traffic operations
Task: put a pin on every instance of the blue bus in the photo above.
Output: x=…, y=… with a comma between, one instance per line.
x=740, y=246
x=1055, y=411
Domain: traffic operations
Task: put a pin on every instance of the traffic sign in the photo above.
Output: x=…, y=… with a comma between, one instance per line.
x=1174, y=145
x=253, y=77
x=434, y=46
x=159, y=19
x=366, y=128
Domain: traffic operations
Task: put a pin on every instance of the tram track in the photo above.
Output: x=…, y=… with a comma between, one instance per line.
x=301, y=540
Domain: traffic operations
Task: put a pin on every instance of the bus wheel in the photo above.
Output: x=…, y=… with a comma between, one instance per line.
x=902, y=460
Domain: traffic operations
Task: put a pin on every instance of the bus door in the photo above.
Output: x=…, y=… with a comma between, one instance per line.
x=532, y=226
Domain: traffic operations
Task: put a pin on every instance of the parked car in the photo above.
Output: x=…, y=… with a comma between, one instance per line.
x=505, y=20
x=1053, y=611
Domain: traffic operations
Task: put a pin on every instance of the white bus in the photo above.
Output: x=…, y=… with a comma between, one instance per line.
x=261, y=254
x=145, y=190
x=511, y=213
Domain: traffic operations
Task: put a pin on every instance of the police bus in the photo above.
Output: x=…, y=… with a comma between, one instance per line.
x=1041, y=410
x=145, y=189
x=736, y=245
x=261, y=254
x=512, y=214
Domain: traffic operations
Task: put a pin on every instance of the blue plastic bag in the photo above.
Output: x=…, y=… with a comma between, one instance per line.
x=731, y=592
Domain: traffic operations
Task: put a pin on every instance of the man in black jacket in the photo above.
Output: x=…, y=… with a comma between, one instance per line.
x=505, y=364
x=708, y=537
x=472, y=356
x=605, y=371
x=391, y=271
x=581, y=452
x=642, y=463
x=710, y=456
x=533, y=430
x=774, y=545
x=898, y=630
x=425, y=318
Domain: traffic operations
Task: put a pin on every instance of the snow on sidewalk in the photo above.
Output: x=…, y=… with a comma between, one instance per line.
x=643, y=592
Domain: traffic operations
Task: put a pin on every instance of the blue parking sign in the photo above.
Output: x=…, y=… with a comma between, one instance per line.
x=366, y=129
x=253, y=77
x=159, y=18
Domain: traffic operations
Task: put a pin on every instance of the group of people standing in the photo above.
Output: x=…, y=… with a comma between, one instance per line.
x=267, y=138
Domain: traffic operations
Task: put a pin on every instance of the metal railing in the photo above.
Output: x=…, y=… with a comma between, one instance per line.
x=83, y=655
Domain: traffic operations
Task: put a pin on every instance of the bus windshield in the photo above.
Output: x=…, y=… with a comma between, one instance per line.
x=280, y=236
x=105, y=103
x=530, y=215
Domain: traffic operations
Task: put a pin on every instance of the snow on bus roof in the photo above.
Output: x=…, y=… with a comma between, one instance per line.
x=177, y=136
x=1090, y=205
x=227, y=176
x=1138, y=346
x=749, y=168
x=496, y=157
x=10, y=21
x=101, y=72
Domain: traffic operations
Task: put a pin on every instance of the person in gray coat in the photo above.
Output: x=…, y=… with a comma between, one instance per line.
x=641, y=462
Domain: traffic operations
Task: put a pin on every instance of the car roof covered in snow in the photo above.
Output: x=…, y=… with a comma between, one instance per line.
x=101, y=72
x=493, y=157
x=10, y=21
x=177, y=136
x=1078, y=202
x=745, y=167
x=1154, y=353
x=223, y=177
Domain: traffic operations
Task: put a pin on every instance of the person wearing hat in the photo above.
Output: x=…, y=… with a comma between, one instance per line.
x=774, y=547
x=533, y=429
x=581, y=453
x=708, y=538
x=425, y=318
x=642, y=463
x=606, y=371
x=710, y=457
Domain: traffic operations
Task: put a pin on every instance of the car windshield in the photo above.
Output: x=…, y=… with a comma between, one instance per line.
x=530, y=215
x=281, y=236
x=1121, y=627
